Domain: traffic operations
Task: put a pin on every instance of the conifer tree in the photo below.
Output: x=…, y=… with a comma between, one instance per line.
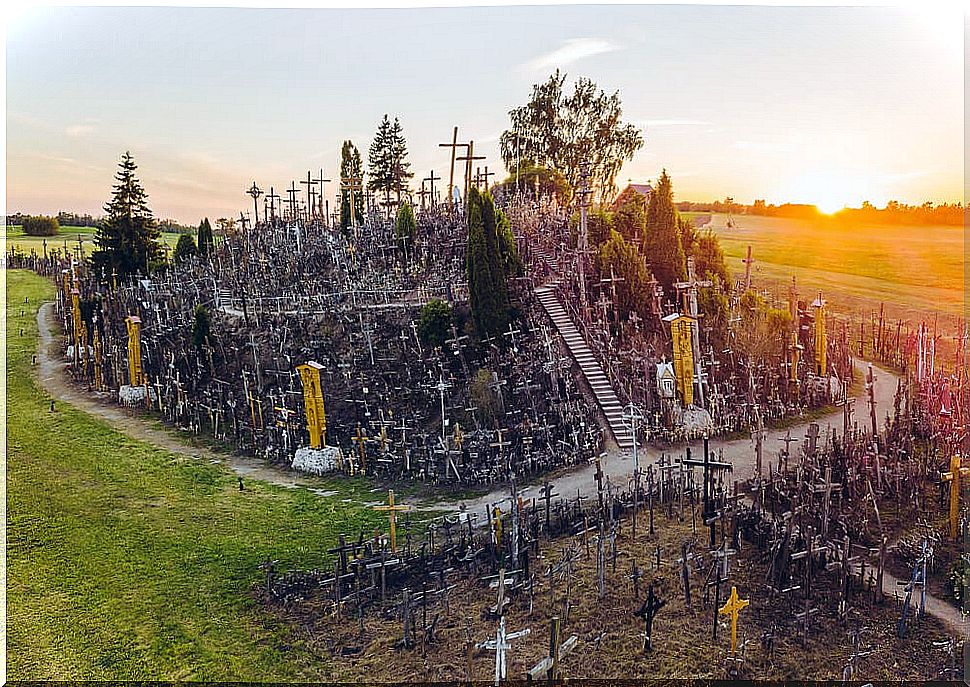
x=485, y=262
x=389, y=170
x=351, y=167
x=128, y=239
x=661, y=241
x=205, y=238
x=633, y=292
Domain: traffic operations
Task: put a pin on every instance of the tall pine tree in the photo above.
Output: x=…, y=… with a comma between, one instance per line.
x=128, y=239
x=389, y=171
x=351, y=167
x=206, y=241
x=661, y=241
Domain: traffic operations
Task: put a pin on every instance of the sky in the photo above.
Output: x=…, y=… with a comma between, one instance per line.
x=821, y=105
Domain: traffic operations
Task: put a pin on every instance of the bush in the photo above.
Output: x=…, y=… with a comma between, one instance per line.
x=435, y=322
x=41, y=226
x=185, y=247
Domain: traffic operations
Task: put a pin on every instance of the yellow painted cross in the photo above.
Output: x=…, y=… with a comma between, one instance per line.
x=459, y=436
x=392, y=511
x=953, y=477
x=732, y=608
x=497, y=523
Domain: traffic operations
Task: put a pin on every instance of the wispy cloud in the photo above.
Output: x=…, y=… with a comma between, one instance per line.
x=78, y=130
x=570, y=51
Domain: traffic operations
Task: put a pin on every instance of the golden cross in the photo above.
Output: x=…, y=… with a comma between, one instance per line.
x=497, y=519
x=732, y=608
x=459, y=436
x=392, y=511
x=953, y=477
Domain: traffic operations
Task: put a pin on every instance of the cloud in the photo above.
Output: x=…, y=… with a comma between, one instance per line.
x=78, y=130
x=570, y=51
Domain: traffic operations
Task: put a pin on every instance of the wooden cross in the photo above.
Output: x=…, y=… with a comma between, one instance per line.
x=748, y=261
x=392, y=511
x=648, y=611
x=953, y=477
x=309, y=183
x=291, y=201
x=454, y=145
x=431, y=178
x=255, y=192
x=733, y=607
x=360, y=439
x=500, y=645
x=468, y=166
x=550, y=664
x=708, y=466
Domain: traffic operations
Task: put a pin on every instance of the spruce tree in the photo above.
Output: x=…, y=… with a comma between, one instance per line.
x=128, y=239
x=661, y=241
x=633, y=292
x=185, y=247
x=389, y=171
x=351, y=167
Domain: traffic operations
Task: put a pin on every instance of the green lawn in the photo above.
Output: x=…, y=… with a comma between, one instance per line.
x=69, y=235
x=130, y=562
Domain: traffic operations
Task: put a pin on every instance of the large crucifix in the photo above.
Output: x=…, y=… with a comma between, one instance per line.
x=321, y=209
x=454, y=145
x=708, y=466
x=310, y=193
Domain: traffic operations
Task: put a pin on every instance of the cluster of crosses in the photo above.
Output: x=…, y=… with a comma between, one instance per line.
x=295, y=289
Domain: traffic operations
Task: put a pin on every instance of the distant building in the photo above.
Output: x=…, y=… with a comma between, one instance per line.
x=644, y=190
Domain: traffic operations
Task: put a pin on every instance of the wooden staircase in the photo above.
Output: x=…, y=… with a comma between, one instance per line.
x=606, y=398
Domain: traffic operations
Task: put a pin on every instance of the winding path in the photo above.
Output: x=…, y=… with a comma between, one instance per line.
x=618, y=464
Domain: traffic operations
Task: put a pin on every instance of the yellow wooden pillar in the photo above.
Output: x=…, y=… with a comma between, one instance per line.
x=683, y=355
x=133, y=322
x=953, y=477
x=316, y=417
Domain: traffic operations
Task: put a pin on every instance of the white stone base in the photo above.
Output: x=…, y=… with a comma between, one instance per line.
x=131, y=396
x=693, y=419
x=317, y=461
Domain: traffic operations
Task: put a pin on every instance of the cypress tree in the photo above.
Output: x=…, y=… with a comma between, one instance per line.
x=661, y=241
x=488, y=290
x=405, y=227
x=128, y=239
x=351, y=167
x=205, y=237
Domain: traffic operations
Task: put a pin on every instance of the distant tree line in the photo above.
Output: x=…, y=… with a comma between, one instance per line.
x=73, y=219
x=894, y=212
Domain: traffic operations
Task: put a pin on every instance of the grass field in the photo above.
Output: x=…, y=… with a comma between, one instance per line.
x=913, y=269
x=130, y=562
x=17, y=239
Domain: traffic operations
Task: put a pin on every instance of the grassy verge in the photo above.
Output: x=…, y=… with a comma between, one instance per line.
x=130, y=562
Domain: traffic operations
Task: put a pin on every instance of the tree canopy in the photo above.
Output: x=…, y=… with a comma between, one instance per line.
x=528, y=177
x=620, y=259
x=557, y=130
x=128, y=240
x=206, y=239
x=435, y=322
x=405, y=227
x=40, y=225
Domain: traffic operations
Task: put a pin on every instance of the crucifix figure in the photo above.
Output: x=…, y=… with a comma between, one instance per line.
x=648, y=611
x=392, y=511
x=733, y=607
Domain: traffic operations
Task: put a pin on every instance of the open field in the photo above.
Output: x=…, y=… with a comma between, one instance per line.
x=913, y=269
x=130, y=562
x=16, y=238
